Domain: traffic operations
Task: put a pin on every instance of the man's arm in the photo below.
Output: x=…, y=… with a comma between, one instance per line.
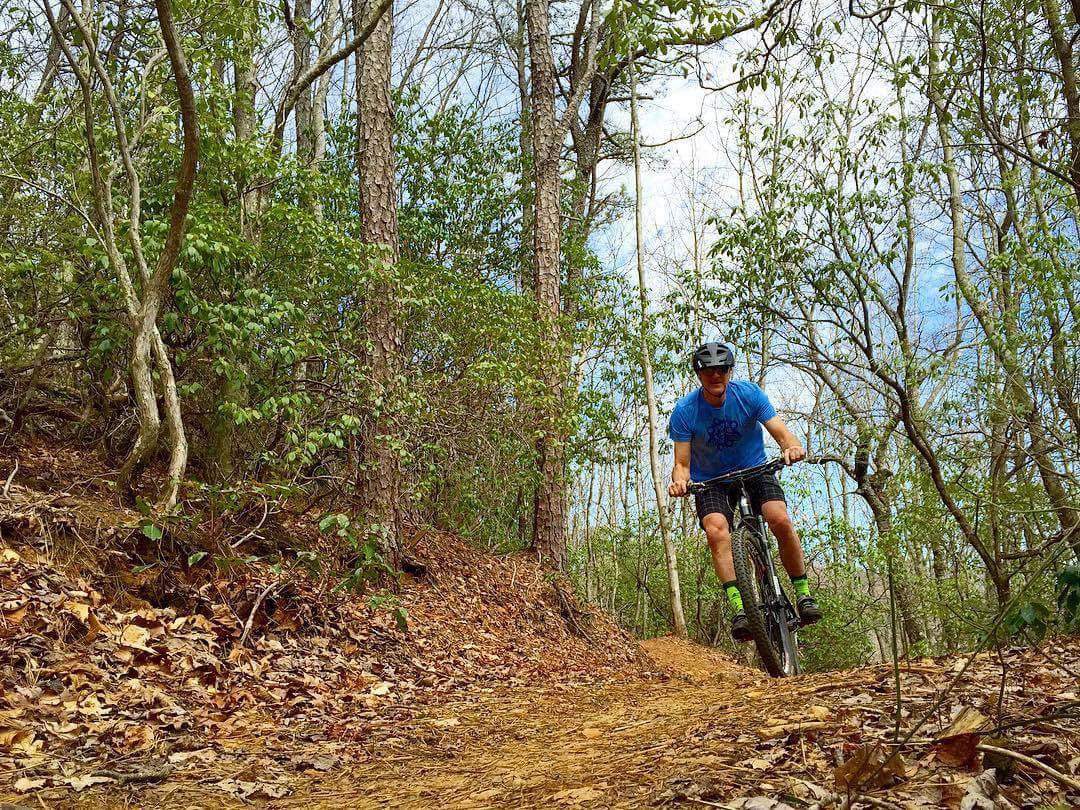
x=680, y=473
x=790, y=447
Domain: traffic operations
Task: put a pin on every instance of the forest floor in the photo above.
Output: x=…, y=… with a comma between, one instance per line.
x=190, y=685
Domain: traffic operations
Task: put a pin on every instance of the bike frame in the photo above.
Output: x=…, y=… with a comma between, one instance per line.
x=776, y=601
x=763, y=539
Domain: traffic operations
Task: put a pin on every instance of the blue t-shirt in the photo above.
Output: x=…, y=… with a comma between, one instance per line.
x=725, y=438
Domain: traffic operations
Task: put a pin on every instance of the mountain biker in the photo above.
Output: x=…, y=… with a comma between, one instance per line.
x=716, y=430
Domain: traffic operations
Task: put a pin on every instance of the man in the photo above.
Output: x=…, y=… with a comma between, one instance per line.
x=716, y=429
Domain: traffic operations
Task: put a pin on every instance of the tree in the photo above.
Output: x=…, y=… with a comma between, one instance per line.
x=662, y=512
x=143, y=307
x=380, y=471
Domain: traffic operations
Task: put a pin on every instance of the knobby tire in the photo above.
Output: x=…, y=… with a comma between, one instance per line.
x=774, y=654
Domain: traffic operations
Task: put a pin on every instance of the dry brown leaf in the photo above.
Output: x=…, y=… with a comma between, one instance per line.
x=79, y=610
x=26, y=784
x=969, y=721
x=869, y=767
x=201, y=755
x=758, y=803
x=591, y=732
x=93, y=629
x=80, y=783
x=138, y=737
x=135, y=637
x=956, y=746
x=14, y=738
x=769, y=732
x=959, y=750
x=247, y=790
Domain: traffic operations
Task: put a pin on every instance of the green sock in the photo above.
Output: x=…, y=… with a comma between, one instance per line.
x=801, y=586
x=733, y=596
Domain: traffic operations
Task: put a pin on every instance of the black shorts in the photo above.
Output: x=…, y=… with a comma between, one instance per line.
x=723, y=498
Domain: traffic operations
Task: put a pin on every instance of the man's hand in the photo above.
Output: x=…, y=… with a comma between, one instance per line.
x=676, y=489
x=794, y=453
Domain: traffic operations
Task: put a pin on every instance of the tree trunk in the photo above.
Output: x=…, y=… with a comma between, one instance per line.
x=380, y=471
x=549, y=520
x=678, y=619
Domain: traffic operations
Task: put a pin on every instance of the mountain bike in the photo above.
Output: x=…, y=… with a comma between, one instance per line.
x=772, y=617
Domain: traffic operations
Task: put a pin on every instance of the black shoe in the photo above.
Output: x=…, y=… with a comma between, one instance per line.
x=740, y=627
x=809, y=611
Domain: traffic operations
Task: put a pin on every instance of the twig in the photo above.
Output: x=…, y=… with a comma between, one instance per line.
x=249, y=535
x=895, y=650
x=1068, y=781
x=254, y=609
x=10, y=478
x=137, y=777
x=568, y=612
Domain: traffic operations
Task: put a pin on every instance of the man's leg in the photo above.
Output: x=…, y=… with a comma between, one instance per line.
x=791, y=555
x=718, y=533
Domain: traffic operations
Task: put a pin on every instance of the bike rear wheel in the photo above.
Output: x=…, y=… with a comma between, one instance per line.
x=765, y=611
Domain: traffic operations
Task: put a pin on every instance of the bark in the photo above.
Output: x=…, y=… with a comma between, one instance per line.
x=380, y=473
x=365, y=25
x=549, y=519
x=527, y=270
x=303, y=114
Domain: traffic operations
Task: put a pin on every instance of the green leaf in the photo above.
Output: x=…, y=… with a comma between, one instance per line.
x=401, y=616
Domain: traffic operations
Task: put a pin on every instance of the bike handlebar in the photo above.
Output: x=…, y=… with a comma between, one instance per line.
x=697, y=487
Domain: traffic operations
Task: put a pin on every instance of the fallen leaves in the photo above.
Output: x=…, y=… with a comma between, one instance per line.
x=252, y=790
x=783, y=729
x=958, y=744
x=869, y=767
x=325, y=679
x=25, y=784
x=80, y=783
x=13, y=739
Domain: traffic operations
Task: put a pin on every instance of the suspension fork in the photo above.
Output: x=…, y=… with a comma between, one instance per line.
x=746, y=515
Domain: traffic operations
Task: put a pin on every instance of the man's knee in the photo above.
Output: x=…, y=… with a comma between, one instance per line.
x=716, y=531
x=776, y=515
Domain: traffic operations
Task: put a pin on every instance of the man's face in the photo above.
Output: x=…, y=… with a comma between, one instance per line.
x=715, y=381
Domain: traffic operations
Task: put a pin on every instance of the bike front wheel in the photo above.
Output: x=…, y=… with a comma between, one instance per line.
x=764, y=606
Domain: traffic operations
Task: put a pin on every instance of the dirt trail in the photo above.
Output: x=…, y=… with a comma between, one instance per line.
x=600, y=745
x=708, y=732
x=609, y=744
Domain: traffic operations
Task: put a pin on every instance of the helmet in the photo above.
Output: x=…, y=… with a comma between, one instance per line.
x=712, y=355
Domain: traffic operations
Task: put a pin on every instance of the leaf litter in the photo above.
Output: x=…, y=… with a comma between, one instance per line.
x=490, y=696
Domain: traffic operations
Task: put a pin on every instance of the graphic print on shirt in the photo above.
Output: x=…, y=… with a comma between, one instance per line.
x=723, y=432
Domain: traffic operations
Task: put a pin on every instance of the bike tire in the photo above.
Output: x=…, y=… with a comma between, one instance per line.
x=772, y=637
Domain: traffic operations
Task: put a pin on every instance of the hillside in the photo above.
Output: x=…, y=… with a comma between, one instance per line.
x=212, y=685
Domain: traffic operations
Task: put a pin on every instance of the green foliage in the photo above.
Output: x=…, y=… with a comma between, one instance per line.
x=1068, y=597
x=368, y=566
